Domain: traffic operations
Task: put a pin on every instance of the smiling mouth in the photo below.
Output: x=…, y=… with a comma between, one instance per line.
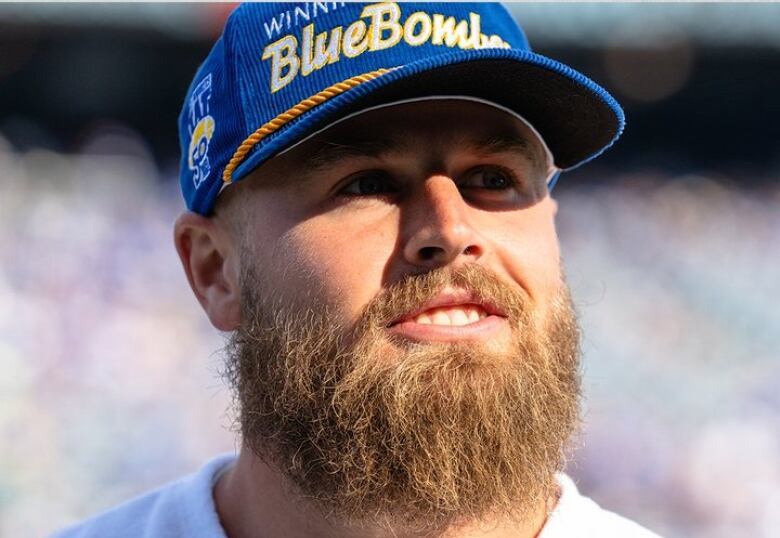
x=450, y=316
x=451, y=322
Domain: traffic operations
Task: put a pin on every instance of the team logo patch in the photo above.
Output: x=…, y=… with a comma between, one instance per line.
x=201, y=128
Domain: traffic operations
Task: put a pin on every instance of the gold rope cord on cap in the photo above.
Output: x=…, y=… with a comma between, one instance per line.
x=292, y=113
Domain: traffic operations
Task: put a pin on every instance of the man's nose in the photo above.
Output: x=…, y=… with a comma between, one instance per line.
x=437, y=226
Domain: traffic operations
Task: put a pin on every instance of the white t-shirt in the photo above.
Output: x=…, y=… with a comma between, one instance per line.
x=185, y=509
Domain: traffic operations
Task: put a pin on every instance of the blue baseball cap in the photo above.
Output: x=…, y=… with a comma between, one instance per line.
x=282, y=71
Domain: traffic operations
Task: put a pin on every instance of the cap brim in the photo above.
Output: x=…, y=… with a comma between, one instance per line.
x=577, y=118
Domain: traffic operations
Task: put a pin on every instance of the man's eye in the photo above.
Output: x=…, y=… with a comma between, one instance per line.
x=490, y=178
x=369, y=184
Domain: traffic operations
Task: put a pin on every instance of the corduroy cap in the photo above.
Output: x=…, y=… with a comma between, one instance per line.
x=281, y=71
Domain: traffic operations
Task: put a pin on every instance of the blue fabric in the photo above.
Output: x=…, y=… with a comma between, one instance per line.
x=267, y=61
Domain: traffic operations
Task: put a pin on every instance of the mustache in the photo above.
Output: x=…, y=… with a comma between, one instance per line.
x=413, y=291
x=397, y=300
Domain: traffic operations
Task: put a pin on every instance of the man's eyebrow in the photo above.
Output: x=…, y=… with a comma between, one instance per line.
x=328, y=153
x=501, y=144
x=511, y=143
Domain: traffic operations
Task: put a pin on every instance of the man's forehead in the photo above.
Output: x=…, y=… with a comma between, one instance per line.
x=326, y=152
x=421, y=126
x=439, y=117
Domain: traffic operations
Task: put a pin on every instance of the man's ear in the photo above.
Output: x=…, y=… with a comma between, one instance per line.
x=211, y=264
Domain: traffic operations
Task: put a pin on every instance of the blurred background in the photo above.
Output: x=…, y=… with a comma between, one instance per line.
x=109, y=379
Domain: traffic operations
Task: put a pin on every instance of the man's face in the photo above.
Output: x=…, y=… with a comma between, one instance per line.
x=407, y=346
x=401, y=191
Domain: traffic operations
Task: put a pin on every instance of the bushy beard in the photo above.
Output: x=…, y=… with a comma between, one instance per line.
x=383, y=431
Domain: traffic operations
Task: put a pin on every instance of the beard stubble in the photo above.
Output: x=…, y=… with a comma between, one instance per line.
x=378, y=430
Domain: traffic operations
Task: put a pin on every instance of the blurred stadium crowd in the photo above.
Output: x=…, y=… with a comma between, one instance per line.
x=109, y=372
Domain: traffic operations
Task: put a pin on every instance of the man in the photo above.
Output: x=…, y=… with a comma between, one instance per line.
x=370, y=219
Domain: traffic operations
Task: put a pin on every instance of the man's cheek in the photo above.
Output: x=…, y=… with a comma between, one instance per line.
x=343, y=265
x=303, y=277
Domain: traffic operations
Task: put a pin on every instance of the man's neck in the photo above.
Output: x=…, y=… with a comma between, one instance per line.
x=254, y=501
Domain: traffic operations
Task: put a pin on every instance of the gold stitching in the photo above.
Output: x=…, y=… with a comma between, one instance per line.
x=291, y=114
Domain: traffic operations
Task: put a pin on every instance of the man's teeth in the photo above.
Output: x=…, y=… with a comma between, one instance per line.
x=452, y=315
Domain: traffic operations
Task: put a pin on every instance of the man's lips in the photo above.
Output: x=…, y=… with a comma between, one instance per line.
x=451, y=308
